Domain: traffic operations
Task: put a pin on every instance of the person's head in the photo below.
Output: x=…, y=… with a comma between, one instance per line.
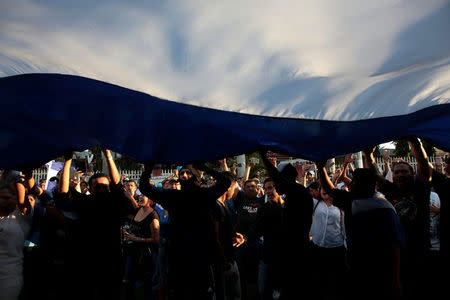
x=310, y=176
x=165, y=184
x=174, y=184
x=42, y=183
x=131, y=185
x=314, y=190
x=185, y=173
x=270, y=189
x=256, y=179
x=73, y=177
x=325, y=194
x=402, y=174
x=233, y=179
x=99, y=184
x=288, y=171
x=144, y=201
x=363, y=183
x=8, y=197
x=84, y=186
x=250, y=188
x=241, y=182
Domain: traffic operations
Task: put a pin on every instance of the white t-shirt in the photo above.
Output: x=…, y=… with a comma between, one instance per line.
x=327, y=228
x=14, y=229
x=434, y=223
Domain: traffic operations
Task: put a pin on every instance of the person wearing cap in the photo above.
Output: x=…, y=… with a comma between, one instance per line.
x=191, y=228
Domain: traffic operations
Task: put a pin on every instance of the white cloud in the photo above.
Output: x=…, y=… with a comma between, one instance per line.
x=228, y=54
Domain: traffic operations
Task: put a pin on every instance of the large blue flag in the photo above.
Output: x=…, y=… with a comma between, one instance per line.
x=176, y=81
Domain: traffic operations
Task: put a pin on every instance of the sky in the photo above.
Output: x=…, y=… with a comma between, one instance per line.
x=333, y=60
x=314, y=79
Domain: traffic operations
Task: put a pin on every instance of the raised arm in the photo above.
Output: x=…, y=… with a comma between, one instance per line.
x=423, y=171
x=348, y=160
x=301, y=177
x=113, y=172
x=64, y=181
x=159, y=195
x=324, y=179
x=247, y=171
x=371, y=164
x=129, y=195
x=270, y=167
x=387, y=162
x=222, y=182
x=21, y=194
x=223, y=164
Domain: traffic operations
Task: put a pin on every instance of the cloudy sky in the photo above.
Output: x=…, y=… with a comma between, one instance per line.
x=334, y=60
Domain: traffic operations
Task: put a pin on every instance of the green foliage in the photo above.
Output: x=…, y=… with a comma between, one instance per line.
x=401, y=148
x=429, y=149
x=127, y=163
x=97, y=151
x=377, y=152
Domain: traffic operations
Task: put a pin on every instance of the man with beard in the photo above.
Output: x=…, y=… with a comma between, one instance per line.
x=269, y=225
x=410, y=195
x=191, y=229
x=93, y=257
x=245, y=205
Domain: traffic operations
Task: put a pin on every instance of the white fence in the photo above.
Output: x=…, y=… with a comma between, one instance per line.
x=136, y=174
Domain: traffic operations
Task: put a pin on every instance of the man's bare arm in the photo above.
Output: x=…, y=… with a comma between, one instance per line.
x=113, y=172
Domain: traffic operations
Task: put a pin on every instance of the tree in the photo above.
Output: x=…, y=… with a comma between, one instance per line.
x=431, y=151
x=401, y=148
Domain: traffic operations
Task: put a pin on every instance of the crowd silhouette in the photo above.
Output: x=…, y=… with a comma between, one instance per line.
x=290, y=231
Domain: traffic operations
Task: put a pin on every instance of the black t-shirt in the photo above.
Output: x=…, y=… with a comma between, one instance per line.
x=269, y=224
x=414, y=212
x=246, y=211
x=190, y=211
x=221, y=214
x=95, y=235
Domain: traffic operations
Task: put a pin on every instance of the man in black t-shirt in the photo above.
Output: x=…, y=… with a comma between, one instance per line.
x=226, y=274
x=409, y=193
x=191, y=228
x=246, y=205
x=94, y=257
x=269, y=225
x=296, y=225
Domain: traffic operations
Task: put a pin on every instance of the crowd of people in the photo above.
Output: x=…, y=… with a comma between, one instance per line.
x=285, y=233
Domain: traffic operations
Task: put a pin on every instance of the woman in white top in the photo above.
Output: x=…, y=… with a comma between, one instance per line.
x=327, y=228
x=328, y=250
x=16, y=211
